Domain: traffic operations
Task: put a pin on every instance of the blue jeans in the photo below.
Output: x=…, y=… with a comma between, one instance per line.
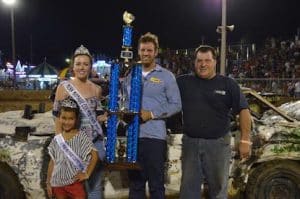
x=95, y=185
x=151, y=157
x=207, y=159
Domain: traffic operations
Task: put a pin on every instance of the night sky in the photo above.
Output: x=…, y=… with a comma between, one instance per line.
x=53, y=28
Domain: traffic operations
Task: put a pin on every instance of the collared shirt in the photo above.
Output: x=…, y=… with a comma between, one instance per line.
x=161, y=96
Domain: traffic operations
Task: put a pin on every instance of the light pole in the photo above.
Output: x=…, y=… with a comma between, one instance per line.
x=11, y=3
x=223, y=30
x=223, y=39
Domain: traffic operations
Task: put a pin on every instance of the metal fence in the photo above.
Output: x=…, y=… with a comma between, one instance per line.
x=279, y=86
x=7, y=83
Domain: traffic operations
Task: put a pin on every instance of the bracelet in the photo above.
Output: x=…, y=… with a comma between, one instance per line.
x=152, y=116
x=246, y=142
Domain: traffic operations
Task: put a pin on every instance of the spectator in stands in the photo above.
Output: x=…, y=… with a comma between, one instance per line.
x=297, y=89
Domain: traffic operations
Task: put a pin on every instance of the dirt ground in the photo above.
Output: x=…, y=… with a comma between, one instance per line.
x=17, y=99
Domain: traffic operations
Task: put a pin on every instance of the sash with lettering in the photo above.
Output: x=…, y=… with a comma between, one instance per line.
x=71, y=155
x=84, y=107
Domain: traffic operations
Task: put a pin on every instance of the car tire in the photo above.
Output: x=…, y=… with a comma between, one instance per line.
x=275, y=179
x=10, y=187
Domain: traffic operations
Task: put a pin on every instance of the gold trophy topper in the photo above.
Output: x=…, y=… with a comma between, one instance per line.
x=128, y=18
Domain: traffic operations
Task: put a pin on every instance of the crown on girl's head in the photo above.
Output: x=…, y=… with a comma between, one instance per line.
x=81, y=50
x=69, y=103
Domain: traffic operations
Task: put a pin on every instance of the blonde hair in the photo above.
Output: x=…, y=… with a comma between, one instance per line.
x=149, y=37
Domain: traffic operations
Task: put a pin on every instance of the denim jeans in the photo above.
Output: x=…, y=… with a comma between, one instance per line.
x=207, y=159
x=95, y=185
x=151, y=157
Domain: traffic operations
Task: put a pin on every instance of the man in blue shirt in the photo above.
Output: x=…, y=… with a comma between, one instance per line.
x=160, y=99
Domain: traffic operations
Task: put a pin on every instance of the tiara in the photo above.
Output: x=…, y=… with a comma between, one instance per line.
x=69, y=103
x=81, y=50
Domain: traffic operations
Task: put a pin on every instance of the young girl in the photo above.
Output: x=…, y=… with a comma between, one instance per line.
x=73, y=157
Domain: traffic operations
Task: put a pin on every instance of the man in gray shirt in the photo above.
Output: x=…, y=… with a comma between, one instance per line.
x=160, y=99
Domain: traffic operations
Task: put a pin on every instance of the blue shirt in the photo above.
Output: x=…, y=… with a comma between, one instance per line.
x=160, y=96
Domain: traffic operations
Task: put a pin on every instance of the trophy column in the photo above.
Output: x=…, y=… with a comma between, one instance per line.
x=134, y=105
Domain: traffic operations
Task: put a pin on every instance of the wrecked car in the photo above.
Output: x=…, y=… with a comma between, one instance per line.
x=272, y=171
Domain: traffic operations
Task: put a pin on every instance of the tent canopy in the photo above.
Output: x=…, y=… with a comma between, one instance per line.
x=43, y=69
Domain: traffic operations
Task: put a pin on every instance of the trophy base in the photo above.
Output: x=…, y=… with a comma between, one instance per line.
x=121, y=164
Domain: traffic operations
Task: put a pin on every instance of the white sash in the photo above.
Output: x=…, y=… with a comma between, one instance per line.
x=72, y=156
x=84, y=107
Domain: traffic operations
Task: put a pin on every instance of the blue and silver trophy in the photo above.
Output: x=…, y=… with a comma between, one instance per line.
x=116, y=112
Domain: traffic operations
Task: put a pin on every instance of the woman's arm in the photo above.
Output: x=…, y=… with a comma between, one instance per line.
x=49, y=174
x=104, y=117
x=60, y=95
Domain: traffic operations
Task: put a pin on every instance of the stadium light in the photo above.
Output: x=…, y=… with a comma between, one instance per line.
x=9, y=2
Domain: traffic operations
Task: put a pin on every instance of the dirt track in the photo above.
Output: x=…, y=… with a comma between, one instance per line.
x=17, y=99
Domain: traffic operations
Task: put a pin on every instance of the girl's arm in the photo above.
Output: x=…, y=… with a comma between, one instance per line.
x=84, y=176
x=92, y=164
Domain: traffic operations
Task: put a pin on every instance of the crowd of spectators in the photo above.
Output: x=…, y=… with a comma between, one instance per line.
x=273, y=67
x=276, y=59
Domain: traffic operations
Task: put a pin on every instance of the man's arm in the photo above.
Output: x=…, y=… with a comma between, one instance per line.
x=245, y=128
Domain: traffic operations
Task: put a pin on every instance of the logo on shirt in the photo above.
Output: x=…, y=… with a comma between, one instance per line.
x=220, y=92
x=155, y=80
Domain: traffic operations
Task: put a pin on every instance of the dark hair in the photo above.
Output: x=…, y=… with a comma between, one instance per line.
x=149, y=37
x=206, y=48
x=69, y=109
x=75, y=110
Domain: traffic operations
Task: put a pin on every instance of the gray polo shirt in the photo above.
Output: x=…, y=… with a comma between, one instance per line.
x=160, y=95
